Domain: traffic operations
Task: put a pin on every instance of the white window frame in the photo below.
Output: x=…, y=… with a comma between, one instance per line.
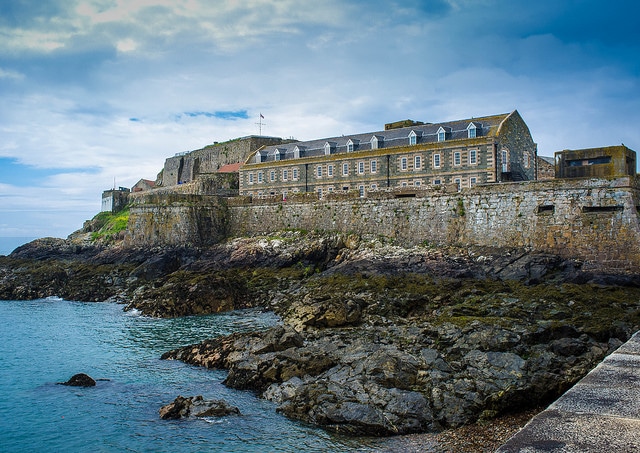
x=373, y=166
x=345, y=169
x=437, y=182
x=416, y=183
x=413, y=138
x=458, y=181
x=471, y=131
x=330, y=171
x=250, y=178
x=285, y=175
x=319, y=171
x=294, y=176
x=272, y=175
x=473, y=157
x=361, y=190
x=260, y=177
x=319, y=192
x=403, y=164
x=437, y=161
x=457, y=159
x=442, y=134
x=361, y=168
x=473, y=181
x=417, y=162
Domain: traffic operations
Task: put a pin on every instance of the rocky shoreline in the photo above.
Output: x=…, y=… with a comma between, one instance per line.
x=376, y=339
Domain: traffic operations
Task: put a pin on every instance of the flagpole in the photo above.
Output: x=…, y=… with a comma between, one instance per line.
x=260, y=124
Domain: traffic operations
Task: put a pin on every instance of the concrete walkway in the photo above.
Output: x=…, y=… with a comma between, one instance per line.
x=601, y=413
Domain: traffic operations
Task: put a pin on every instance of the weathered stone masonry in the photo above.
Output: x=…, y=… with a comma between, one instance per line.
x=595, y=220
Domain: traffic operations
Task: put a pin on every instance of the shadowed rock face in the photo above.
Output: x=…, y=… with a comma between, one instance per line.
x=80, y=380
x=196, y=406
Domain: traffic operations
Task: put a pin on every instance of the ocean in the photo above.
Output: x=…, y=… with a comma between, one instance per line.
x=46, y=341
x=9, y=244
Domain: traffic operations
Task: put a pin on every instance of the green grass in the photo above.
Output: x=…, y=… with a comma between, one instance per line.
x=109, y=225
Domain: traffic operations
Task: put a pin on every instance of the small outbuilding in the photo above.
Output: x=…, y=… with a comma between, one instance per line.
x=609, y=161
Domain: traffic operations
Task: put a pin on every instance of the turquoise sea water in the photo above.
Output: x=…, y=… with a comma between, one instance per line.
x=47, y=341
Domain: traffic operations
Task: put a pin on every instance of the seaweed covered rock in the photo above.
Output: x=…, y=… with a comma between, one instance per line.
x=196, y=406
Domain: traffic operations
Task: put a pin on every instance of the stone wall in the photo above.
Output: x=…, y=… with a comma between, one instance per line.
x=592, y=220
x=185, y=167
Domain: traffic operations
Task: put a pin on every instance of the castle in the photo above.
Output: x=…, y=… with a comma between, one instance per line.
x=473, y=182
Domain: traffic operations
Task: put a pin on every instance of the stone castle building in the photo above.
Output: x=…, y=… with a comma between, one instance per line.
x=187, y=166
x=406, y=154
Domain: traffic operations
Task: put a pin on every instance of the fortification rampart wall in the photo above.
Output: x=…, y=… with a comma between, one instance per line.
x=594, y=220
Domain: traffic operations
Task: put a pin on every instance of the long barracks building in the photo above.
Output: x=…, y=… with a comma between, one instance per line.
x=406, y=154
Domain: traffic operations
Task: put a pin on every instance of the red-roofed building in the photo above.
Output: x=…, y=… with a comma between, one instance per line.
x=143, y=185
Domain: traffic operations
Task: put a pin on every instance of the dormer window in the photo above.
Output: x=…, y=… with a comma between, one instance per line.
x=413, y=138
x=276, y=154
x=258, y=158
x=329, y=147
x=472, y=130
x=298, y=151
x=377, y=141
x=352, y=145
x=442, y=133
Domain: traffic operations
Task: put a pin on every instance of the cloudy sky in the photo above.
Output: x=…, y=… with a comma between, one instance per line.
x=94, y=91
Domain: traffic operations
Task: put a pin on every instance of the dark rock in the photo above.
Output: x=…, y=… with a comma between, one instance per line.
x=80, y=380
x=196, y=406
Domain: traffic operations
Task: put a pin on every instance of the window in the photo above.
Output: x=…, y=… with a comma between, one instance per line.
x=330, y=189
x=413, y=138
x=442, y=134
x=272, y=175
x=329, y=170
x=436, y=160
x=404, y=183
x=417, y=163
x=472, y=181
x=319, y=171
x=349, y=147
x=260, y=177
x=285, y=175
x=473, y=157
x=374, y=186
x=319, y=192
x=374, y=166
x=376, y=142
x=345, y=169
x=417, y=183
x=250, y=178
x=456, y=158
x=471, y=130
x=352, y=145
x=361, y=189
x=525, y=158
x=295, y=174
x=361, y=168
x=457, y=181
x=437, y=182
x=403, y=164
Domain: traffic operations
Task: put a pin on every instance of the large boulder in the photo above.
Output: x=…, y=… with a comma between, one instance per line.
x=196, y=406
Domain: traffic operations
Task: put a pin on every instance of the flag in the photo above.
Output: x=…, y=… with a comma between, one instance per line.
x=261, y=116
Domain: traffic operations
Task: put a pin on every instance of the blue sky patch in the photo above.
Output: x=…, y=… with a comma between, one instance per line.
x=221, y=114
x=17, y=174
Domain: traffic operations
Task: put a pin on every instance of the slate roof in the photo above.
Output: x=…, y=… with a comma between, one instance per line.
x=426, y=133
